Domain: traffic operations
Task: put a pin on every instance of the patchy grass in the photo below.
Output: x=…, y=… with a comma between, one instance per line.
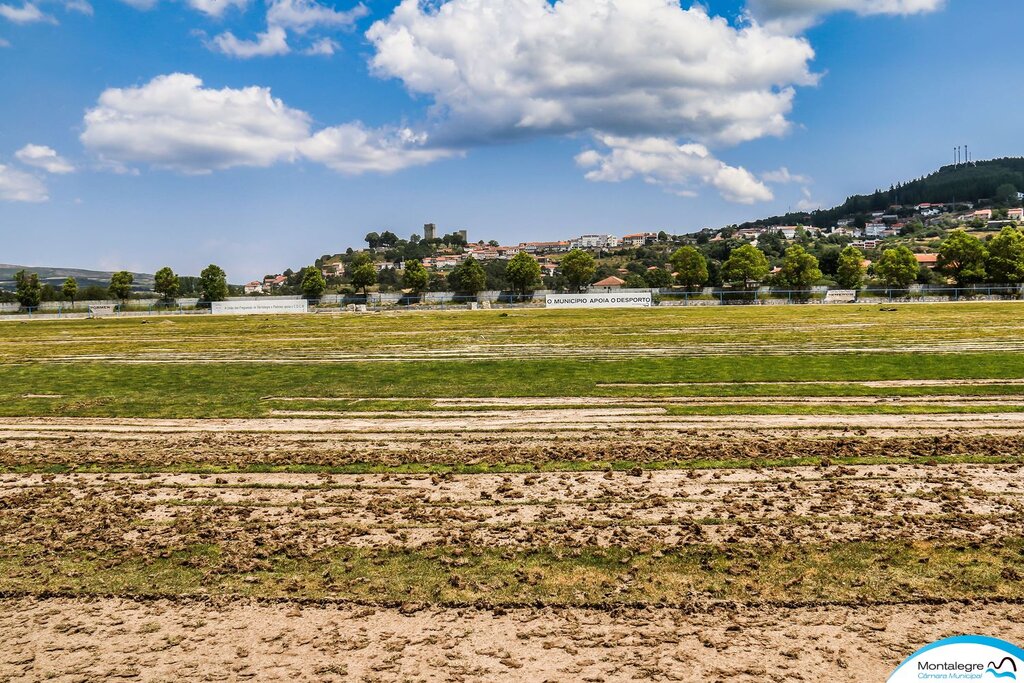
x=511, y=468
x=92, y=389
x=853, y=574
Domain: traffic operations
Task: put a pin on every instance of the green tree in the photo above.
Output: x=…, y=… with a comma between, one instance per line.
x=746, y=264
x=578, y=267
x=850, y=271
x=416, y=276
x=121, y=285
x=166, y=283
x=897, y=267
x=772, y=243
x=1006, y=257
x=1006, y=195
x=70, y=289
x=363, y=274
x=27, y=289
x=213, y=283
x=690, y=266
x=313, y=282
x=468, y=277
x=799, y=269
x=658, y=278
x=522, y=273
x=634, y=281
x=963, y=257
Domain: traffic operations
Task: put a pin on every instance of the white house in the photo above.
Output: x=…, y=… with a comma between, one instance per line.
x=639, y=239
x=875, y=229
x=595, y=242
x=254, y=287
x=1015, y=214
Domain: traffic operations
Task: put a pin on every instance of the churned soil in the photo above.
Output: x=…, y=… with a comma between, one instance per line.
x=163, y=640
x=140, y=515
x=524, y=437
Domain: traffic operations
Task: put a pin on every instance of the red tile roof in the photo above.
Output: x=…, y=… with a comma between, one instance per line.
x=610, y=282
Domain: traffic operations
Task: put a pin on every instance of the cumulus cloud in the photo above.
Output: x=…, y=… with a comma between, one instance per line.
x=45, y=158
x=274, y=41
x=18, y=186
x=622, y=67
x=297, y=16
x=324, y=47
x=807, y=203
x=302, y=15
x=80, y=6
x=791, y=16
x=353, y=149
x=676, y=167
x=216, y=8
x=782, y=176
x=644, y=77
x=175, y=123
x=28, y=13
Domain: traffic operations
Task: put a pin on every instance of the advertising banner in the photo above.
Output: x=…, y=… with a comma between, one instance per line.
x=258, y=305
x=600, y=300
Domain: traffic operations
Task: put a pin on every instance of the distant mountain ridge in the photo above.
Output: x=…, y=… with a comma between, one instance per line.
x=975, y=182
x=56, y=276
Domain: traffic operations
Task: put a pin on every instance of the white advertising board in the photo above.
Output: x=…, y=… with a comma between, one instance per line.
x=256, y=306
x=600, y=300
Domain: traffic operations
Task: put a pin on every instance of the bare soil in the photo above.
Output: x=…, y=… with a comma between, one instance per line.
x=111, y=639
x=526, y=437
x=152, y=514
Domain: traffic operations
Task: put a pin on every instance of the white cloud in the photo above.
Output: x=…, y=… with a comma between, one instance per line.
x=302, y=15
x=792, y=16
x=45, y=158
x=622, y=67
x=4, y=43
x=173, y=122
x=353, y=148
x=274, y=41
x=28, y=13
x=674, y=166
x=80, y=6
x=298, y=16
x=216, y=8
x=807, y=203
x=782, y=176
x=18, y=186
x=324, y=47
x=632, y=73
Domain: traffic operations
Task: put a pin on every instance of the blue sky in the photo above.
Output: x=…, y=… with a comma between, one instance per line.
x=142, y=133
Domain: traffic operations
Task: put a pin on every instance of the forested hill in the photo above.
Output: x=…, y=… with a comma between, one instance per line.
x=55, y=276
x=976, y=182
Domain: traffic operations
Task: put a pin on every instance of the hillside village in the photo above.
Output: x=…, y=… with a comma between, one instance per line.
x=912, y=234
x=644, y=259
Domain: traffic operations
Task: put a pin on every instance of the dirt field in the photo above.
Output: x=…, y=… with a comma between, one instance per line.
x=778, y=518
x=72, y=640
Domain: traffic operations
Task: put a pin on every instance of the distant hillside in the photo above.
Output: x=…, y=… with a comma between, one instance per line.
x=56, y=276
x=976, y=182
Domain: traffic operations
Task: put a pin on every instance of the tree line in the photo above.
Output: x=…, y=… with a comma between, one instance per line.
x=211, y=285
